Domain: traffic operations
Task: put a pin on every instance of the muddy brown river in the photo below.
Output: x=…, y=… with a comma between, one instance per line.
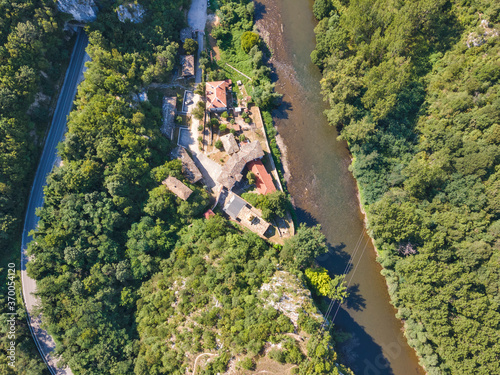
x=324, y=192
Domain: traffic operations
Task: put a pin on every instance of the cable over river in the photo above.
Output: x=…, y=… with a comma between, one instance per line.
x=324, y=192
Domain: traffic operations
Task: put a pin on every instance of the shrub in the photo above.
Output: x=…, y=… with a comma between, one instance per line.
x=178, y=119
x=322, y=8
x=248, y=40
x=242, y=138
x=200, y=128
x=198, y=113
x=190, y=46
x=251, y=177
x=277, y=355
x=224, y=115
x=218, y=144
x=247, y=363
x=200, y=89
x=223, y=127
x=214, y=122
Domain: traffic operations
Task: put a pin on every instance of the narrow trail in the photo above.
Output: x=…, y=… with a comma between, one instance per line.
x=196, y=360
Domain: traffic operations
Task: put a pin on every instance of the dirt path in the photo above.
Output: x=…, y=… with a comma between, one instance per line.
x=196, y=360
x=197, y=15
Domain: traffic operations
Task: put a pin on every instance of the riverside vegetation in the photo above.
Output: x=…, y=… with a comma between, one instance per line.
x=413, y=87
x=130, y=280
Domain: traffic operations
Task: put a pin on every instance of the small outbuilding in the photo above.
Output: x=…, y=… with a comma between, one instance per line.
x=189, y=168
x=187, y=62
x=229, y=143
x=168, y=111
x=208, y=214
x=245, y=214
x=177, y=187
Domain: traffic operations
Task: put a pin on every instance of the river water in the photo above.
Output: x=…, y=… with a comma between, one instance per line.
x=324, y=192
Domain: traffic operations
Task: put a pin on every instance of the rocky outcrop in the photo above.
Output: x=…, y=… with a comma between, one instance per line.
x=81, y=10
x=131, y=12
x=478, y=38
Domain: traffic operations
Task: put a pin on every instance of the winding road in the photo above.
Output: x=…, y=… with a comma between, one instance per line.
x=44, y=342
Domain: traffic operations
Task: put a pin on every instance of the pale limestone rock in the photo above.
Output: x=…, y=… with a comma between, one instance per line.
x=131, y=12
x=81, y=10
x=476, y=39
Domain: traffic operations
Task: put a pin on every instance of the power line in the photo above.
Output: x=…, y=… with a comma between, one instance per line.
x=346, y=271
x=355, y=268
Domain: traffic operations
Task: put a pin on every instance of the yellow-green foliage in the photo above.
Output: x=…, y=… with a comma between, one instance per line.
x=248, y=40
x=319, y=280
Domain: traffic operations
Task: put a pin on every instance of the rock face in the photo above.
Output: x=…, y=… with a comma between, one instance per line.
x=476, y=39
x=81, y=10
x=131, y=12
x=286, y=294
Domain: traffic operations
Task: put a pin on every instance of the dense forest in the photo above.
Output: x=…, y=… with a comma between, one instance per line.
x=413, y=87
x=30, y=38
x=131, y=280
x=33, y=50
x=211, y=298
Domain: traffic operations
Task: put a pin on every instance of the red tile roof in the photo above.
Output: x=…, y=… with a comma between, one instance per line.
x=217, y=94
x=264, y=181
x=207, y=215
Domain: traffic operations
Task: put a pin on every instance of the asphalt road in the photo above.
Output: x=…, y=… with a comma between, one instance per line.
x=43, y=340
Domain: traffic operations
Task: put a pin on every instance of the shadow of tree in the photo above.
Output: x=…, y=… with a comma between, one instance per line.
x=304, y=216
x=359, y=346
x=260, y=11
x=355, y=301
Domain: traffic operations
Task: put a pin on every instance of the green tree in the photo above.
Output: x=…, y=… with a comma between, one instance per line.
x=251, y=177
x=246, y=363
x=300, y=250
x=264, y=95
x=190, y=46
x=198, y=113
x=214, y=122
x=248, y=40
x=319, y=281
